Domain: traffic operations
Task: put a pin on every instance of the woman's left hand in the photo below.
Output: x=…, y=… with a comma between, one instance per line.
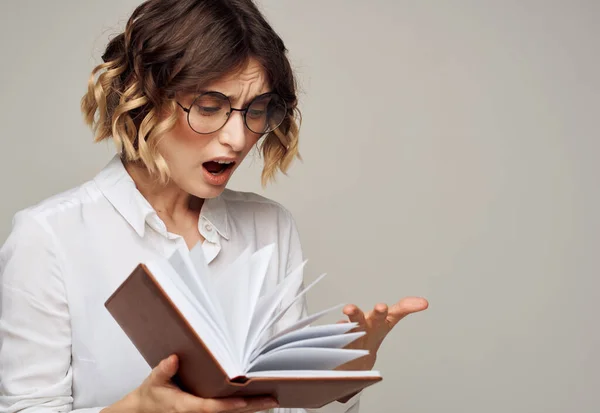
x=377, y=324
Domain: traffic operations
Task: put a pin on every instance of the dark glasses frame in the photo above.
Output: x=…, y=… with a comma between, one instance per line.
x=244, y=111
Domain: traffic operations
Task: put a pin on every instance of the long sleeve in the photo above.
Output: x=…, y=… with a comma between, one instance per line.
x=35, y=335
x=298, y=311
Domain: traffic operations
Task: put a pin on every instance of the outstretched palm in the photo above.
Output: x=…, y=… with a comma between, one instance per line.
x=377, y=323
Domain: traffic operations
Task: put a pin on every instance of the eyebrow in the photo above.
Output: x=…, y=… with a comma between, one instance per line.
x=231, y=97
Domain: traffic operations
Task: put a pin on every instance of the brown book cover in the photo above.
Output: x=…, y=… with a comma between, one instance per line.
x=158, y=329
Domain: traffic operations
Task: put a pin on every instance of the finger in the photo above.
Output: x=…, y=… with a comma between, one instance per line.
x=355, y=315
x=377, y=324
x=378, y=316
x=165, y=370
x=255, y=409
x=238, y=404
x=404, y=307
x=380, y=311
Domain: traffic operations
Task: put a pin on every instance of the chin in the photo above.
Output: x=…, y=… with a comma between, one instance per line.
x=205, y=191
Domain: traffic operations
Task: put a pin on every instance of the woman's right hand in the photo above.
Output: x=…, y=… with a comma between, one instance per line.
x=158, y=394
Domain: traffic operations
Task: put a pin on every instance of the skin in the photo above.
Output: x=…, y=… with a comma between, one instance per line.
x=178, y=204
x=377, y=323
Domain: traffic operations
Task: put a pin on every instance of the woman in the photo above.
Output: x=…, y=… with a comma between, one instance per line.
x=185, y=92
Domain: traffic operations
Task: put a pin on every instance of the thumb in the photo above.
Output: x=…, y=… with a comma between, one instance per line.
x=165, y=370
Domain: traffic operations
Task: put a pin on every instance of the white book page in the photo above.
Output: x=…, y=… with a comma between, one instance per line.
x=299, y=296
x=305, y=359
x=300, y=324
x=316, y=373
x=258, y=271
x=338, y=341
x=259, y=336
x=231, y=290
x=267, y=305
x=200, y=290
x=305, y=334
x=194, y=313
x=237, y=290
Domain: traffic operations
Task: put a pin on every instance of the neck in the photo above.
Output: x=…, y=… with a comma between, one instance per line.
x=169, y=201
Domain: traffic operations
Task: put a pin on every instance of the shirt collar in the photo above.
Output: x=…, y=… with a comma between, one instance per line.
x=214, y=213
x=120, y=190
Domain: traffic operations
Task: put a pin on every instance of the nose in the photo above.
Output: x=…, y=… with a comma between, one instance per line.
x=233, y=134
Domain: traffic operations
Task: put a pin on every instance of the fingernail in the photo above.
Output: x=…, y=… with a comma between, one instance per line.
x=271, y=404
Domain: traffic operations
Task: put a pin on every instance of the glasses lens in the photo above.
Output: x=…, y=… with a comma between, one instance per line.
x=209, y=112
x=266, y=113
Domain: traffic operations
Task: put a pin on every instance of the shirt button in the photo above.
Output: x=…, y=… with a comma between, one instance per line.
x=208, y=227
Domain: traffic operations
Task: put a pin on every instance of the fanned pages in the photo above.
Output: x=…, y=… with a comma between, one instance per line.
x=222, y=326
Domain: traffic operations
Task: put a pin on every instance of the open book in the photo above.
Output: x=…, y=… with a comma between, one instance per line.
x=222, y=328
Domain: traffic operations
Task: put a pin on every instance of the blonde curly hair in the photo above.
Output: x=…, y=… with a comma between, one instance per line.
x=172, y=47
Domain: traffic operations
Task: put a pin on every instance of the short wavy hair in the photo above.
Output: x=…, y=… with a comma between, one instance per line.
x=171, y=47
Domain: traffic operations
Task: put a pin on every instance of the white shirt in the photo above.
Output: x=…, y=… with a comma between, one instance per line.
x=60, y=349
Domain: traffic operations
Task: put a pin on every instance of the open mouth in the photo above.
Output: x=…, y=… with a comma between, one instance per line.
x=218, y=167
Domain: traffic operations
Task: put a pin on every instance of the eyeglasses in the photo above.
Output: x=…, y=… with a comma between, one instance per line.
x=210, y=111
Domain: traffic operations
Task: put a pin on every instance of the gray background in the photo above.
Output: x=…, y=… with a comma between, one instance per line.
x=450, y=151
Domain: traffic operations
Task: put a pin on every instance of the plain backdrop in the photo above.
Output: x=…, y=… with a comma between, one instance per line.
x=450, y=151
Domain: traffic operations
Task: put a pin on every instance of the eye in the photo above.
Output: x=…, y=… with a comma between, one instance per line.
x=207, y=110
x=210, y=105
x=256, y=113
